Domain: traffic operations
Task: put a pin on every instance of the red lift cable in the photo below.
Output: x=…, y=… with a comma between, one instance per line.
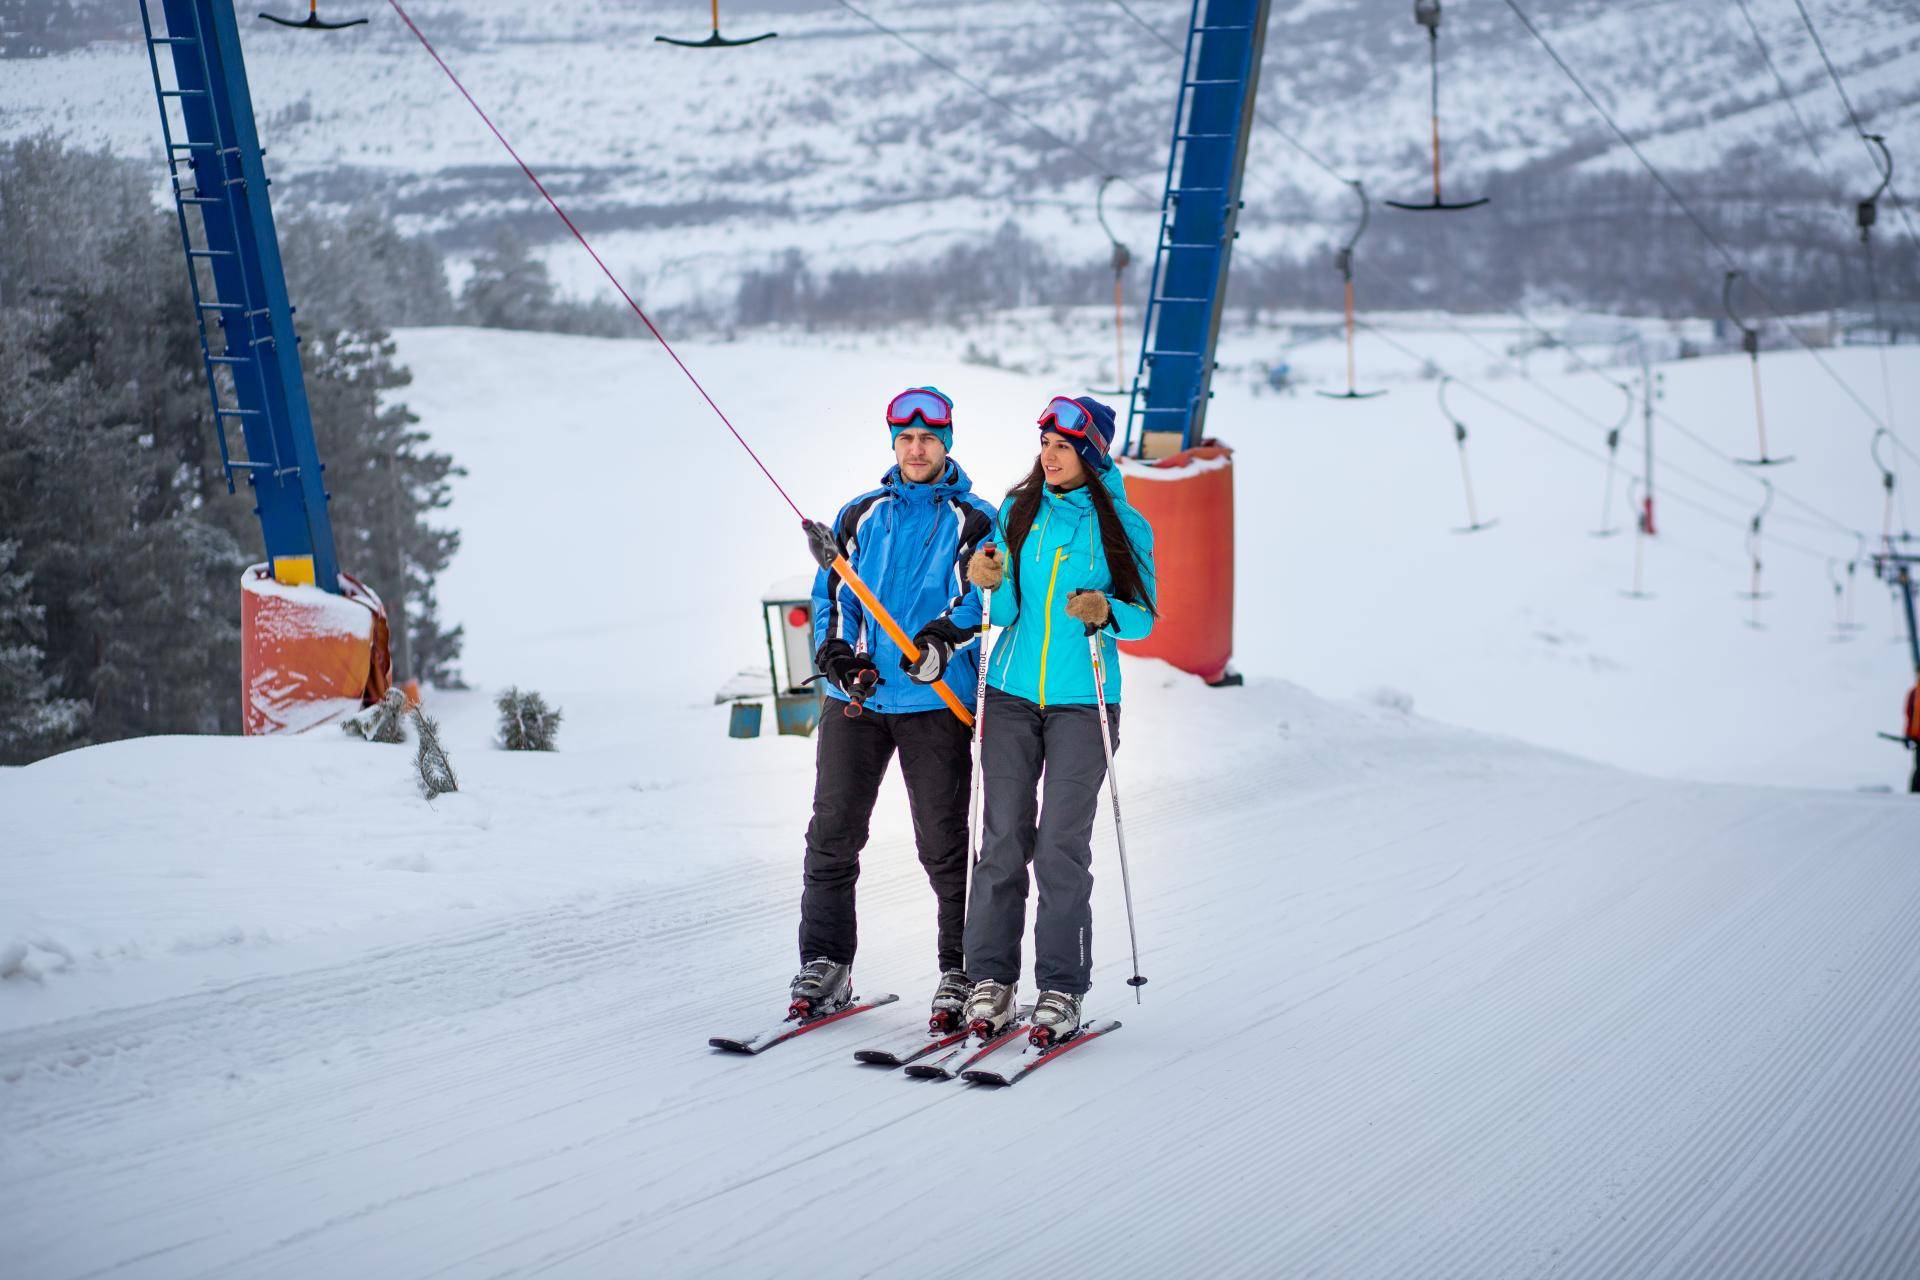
x=820, y=537
x=605, y=270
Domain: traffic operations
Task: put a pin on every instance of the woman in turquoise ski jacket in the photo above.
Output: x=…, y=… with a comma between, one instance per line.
x=1076, y=556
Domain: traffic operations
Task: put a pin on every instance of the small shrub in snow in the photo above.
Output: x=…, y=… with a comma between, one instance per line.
x=527, y=723
x=430, y=758
x=384, y=721
x=1389, y=698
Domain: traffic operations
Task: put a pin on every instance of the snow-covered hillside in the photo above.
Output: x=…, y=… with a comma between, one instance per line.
x=1424, y=1000
x=840, y=141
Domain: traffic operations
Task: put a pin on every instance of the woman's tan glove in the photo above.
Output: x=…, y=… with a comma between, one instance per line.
x=1089, y=607
x=985, y=569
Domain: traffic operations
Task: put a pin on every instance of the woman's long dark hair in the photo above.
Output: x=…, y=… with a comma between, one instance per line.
x=1123, y=566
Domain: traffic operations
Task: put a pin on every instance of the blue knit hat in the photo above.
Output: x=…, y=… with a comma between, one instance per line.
x=1095, y=459
x=943, y=434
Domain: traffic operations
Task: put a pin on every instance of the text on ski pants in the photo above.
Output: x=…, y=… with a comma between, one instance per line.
x=1055, y=752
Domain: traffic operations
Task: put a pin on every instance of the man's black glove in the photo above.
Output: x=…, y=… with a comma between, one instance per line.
x=853, y=673
x=936, y=642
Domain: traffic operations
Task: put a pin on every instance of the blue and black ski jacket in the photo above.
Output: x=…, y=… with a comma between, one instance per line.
x=910, y=543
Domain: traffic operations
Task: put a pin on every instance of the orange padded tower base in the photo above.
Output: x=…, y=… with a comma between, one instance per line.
x=308, y=657
x=1188, y=498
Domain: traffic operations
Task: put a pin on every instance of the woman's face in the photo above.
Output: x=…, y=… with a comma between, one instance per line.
x=1060, y=462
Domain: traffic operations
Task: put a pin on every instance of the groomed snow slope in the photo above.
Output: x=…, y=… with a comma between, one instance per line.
x=1423, y=1001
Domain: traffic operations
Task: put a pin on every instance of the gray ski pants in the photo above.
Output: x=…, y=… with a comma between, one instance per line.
x=1056, y=749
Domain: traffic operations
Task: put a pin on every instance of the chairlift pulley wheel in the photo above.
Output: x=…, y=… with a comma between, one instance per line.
x=313, y=21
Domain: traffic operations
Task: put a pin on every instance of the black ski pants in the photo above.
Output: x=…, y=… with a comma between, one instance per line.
x=851, y=759
x=1057, y=750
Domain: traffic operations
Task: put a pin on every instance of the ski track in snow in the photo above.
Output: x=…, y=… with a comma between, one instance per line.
x=1568, y=1022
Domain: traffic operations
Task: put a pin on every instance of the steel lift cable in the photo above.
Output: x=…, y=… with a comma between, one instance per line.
x=1705, y=231
x=715, y=40
x=1666, y=418
x=1750, y=343
x=1427, y=14
x=1833, y=73
x=1684, y=499
x=820, y=537
x=1686, y=431
x=1343, y=263
x=1663, y=416
x=1786, y=94
x=1122, y=257
x=313, y=21
x=1753, y=592
x=1627, y=391
x=1474, y=523
x=1094, y=162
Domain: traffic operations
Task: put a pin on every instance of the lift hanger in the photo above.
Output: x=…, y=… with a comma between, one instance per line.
x=1343, y=261
x=313, y=20
x=1474, y=523
x=1427, y=14
x=715, y=40
x=1750, y=342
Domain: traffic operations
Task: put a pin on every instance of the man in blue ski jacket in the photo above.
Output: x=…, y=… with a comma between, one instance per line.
x=909, y=540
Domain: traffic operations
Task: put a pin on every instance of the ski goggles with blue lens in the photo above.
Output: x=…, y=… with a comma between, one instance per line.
x=1070, y=418
x=924, y=403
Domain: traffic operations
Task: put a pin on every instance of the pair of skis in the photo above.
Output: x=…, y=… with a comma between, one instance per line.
x=981, y=1061
x=939, y=1057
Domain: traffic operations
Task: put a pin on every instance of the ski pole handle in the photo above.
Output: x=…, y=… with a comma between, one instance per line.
x=826, y=551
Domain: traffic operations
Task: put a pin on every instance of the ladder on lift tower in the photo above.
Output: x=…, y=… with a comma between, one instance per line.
x=219, y=187
x=1219, y=77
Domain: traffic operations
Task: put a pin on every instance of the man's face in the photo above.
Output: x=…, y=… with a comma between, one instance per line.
x=920, y=454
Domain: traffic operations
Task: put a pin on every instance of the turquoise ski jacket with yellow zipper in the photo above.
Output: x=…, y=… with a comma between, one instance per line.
x=1042, y=655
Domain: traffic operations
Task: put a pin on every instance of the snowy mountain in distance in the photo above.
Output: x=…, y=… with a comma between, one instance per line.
x=689, y=166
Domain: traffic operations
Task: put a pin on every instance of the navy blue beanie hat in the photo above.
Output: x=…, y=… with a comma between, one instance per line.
x=1096, y=459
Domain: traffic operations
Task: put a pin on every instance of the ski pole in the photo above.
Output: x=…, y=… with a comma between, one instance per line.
x=1113, y=793
x=979, y=732
x=826, y=550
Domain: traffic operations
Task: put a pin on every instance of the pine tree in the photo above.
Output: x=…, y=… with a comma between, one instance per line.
x=527, y=723
x=509, y=288
x=33, y=721
x=385, y=482
x=430, y=757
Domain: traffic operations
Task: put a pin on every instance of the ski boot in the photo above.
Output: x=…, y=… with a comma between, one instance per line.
x=819, y=989
x=1056, y=1017
x=949, y=1003
x=990, y=1007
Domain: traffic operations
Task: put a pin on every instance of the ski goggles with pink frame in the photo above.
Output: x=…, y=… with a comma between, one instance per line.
x=1070, y=418
x=924, y=403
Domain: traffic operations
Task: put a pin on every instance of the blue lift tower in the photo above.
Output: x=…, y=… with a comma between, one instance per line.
x=1211, y=122
x=219, y=188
